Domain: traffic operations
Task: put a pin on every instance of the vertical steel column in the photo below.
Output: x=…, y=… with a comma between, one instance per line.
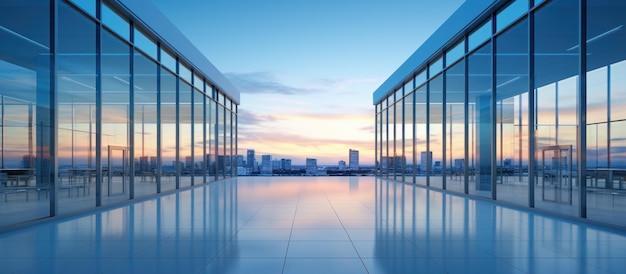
x=582, y=111
x=54, y=104
x=159, y=128
x=531, y=110
x=131, y=120
x=177, y=161
x=494, y=138
x=414, y=106
x=466, y=120
x=99, y=175
x=444, y=131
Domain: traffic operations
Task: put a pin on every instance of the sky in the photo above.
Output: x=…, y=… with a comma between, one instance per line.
x=306, y=70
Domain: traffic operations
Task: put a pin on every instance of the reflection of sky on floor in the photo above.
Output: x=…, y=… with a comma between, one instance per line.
x=312, y=225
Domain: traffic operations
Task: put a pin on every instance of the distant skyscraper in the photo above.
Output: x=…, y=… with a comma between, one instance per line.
x=240, y=161
x=311, y=166
x=275, y=164
x=354, y=159
x=285, y=164
x=342, y=165
x=266, y=164
x=426, y=160
x=250, y=159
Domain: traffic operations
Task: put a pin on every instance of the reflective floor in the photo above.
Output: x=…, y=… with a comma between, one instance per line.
x=312, y=225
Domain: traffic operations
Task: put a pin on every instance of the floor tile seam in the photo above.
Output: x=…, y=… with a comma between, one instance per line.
x=347, y=234
x=295, y=212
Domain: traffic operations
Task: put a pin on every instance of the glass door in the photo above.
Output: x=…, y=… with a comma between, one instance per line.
x=557, y=174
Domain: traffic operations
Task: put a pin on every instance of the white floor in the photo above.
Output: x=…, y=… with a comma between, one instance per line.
x=313, y=225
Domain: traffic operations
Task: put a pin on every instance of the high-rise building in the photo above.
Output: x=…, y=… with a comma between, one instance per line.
x=250, y=159
x=266, y=164
x=311, y=166
x=354, y=159
x=518, y=98
x=285, y=164
x=341, y=165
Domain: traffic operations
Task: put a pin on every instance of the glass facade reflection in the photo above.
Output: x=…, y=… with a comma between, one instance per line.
x=94, y=110
x=528, y=110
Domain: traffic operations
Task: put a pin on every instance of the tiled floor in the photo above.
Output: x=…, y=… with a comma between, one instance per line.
x=312, y=225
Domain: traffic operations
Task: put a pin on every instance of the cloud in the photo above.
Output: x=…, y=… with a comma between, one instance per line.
x=262, y=83
x=247, y=118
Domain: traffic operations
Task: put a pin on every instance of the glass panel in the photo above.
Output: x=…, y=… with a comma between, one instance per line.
x=511, y=13
x=76, y=111
x=210, y=138
x=168, y=130
x=455, y=53
x=399, y=159
x=606, y=111
x=25, y=109
x=455, y=127
x=145, y=44
x=384, y=161
x=145, y=92
x=115, y=22
x=420, y=78
x=480, y=121
x=168, y=60
x=227, y=144
x=435, y=67
x=198, y=82
x=423, y=158
x=184, y=72
x=198, y=138
x=512, y=114
x=556, y=79
x=480, y=35
x=115, y=119
x=436, y=131
x=221, y=135
x=408, y=86
x=408, y=138
x=185, y=145
x=88, y=6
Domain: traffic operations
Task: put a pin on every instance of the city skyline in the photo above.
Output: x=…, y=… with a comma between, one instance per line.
x=306, y=70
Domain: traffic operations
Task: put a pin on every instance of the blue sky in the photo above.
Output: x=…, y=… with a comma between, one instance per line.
x=306, y=70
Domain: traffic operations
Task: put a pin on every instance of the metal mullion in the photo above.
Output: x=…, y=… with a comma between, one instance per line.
x=131, y=122
x=531, y=110
x=493, y=115
x=582, y=110
x=99, y=174
x=444, y=166
x=159, y=120
x=466, y=122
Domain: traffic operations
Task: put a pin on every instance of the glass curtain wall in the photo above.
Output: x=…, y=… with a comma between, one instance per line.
x=146, y=108
x=422, y=157
x=211, y=138
x=25, y=110
x=227, y=141
x=409, y=170
x=76, y=93
x=512, y=114
x=556, y=85
x=606, y=111
x=398, y=158
x=168, y=129
x=384, y=141
x=455, y=127
x=198, y=137
x=435, y=132
x=115, y=149
x=221, y=137
x=184, y=164
x=480, y=120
